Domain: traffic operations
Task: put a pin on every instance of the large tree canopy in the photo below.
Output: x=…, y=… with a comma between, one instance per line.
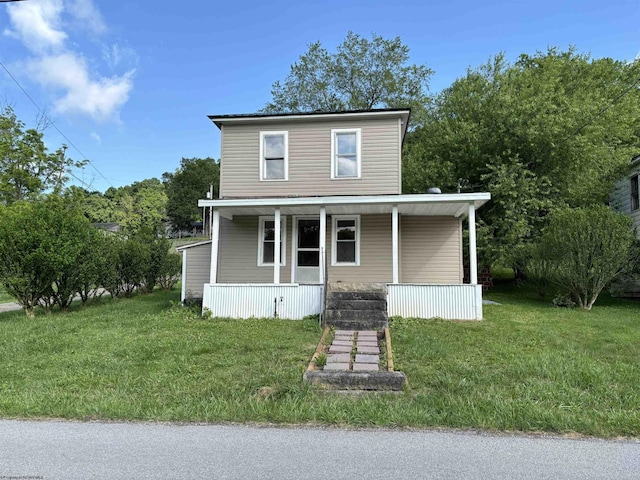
x=186, y=186
x=361, y=74
x=553, y=129
x=27, y=168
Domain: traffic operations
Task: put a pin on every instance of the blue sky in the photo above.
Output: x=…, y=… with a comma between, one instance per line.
x=131, y=83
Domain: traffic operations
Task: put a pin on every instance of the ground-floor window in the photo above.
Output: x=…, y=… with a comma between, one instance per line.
x=345, y=240
x=267, y=240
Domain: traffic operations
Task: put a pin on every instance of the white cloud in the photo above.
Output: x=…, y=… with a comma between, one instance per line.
x=116, y=54
x=86, y=13
x=96, y=137
x=37, y=24
x=99, y=98
x=42, y=26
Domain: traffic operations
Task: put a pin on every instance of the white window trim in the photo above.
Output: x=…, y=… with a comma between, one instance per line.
x=263, y=169
x=334, y=240
x=334, y=168
x=283, y=240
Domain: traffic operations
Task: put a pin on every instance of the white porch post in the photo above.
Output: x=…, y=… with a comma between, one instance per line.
x=276, y=247
x=215, y=247
x=323, y=243
x=394, y=244
x=473, y=259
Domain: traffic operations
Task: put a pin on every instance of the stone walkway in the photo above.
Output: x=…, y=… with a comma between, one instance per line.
x=367, y=351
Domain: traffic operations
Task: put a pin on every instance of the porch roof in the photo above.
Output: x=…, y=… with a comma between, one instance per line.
x=444, y=204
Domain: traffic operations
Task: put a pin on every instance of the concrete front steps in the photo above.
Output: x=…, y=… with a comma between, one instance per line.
x=356, y=306
x=353, y=363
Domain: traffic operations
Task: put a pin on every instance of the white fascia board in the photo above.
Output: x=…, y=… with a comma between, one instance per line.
x=191, y=245
x=309, y=116
x=478, y=200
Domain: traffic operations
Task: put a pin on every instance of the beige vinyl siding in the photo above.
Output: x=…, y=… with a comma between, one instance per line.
x=620, y=198
x=431, y=250
x=309, y=159
x=198, y=269
x=376, y=263
x=238, y=258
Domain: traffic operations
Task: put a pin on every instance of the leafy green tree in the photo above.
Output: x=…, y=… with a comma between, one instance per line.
x=96, y=207
x=186, y=186
x=27, y=168
x=584, y=249
x=362, y=74
x=553, y=129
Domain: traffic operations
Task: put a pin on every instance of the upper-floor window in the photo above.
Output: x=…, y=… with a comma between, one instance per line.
x=274, y=162
x=267, y=240
x=635, y=201
x=345, y=153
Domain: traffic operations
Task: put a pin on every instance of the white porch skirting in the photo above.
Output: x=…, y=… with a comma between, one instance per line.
x=248, y=300
x=452, y=302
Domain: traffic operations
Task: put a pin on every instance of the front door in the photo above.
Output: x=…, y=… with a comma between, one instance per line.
x=307, y=250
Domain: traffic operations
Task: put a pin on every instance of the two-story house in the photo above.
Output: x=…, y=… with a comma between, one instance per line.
x=312, y=201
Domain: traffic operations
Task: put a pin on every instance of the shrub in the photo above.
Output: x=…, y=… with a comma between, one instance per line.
x=41, y=245
x=170, y=269
x=132, y=263
x=584, y=249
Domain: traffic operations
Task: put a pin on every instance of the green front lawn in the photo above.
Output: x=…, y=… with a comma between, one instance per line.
x=528, y=367
x=5, y=297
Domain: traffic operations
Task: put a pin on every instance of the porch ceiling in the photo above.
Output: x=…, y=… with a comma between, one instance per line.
x=450, y=205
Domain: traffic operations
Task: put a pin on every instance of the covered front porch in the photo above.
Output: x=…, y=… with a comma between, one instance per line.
x=411, y=243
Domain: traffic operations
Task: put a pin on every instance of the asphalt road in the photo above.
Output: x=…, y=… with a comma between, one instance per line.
x=76, y=450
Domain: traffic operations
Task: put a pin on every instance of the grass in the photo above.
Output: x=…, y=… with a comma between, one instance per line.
x=5, y=297
x=527, y=367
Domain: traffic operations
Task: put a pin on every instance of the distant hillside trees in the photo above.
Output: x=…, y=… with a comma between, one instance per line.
x=188, y=184
x=141, y=204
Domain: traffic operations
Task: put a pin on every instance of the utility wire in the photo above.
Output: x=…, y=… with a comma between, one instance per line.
x=592, y=119
x=54, y=125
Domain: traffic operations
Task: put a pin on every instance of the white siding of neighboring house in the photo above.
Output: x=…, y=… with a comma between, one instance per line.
x=309, y=159
x=620, y=199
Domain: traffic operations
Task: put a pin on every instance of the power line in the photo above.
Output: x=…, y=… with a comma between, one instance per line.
x=592, y=119
x=42, y=112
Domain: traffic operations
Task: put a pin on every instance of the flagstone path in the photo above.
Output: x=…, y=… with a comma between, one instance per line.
x=365, y=344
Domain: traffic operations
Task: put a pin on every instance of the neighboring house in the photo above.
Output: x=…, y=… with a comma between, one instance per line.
x=108, y=226
x=624, y=198
x=314, y=201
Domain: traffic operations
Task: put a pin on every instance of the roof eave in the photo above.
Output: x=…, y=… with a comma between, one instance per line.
x=220, y=120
